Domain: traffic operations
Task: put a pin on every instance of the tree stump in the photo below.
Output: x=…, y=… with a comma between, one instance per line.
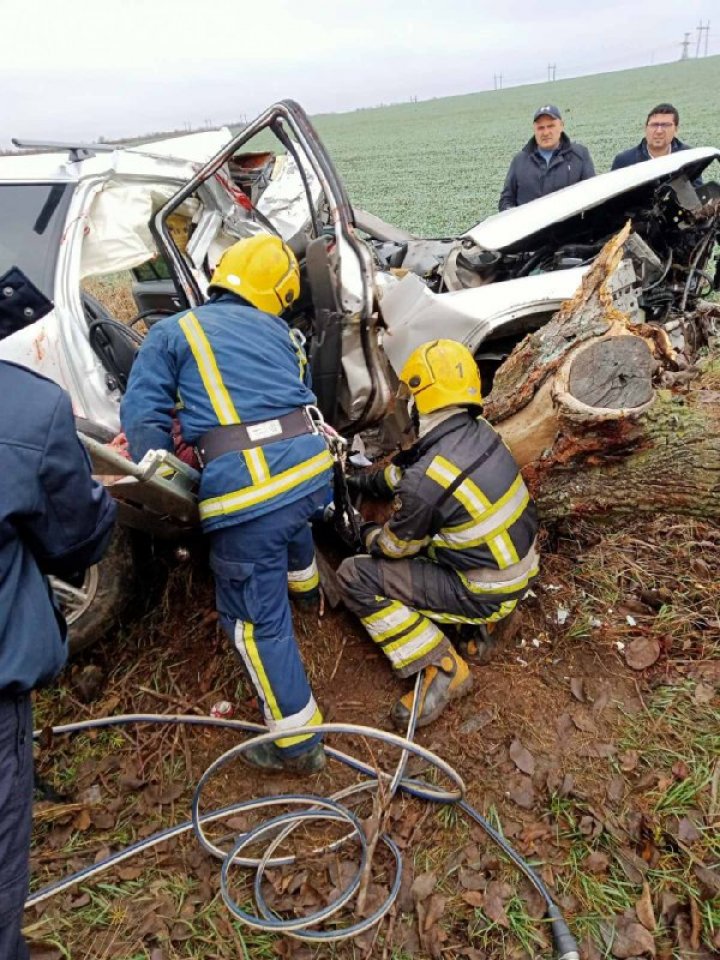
x=582, y=406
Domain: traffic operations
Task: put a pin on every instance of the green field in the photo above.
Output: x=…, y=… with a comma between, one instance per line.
x=436, y=167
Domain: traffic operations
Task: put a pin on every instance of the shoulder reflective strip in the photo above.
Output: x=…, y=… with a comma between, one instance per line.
x=301, y=581
x=392, y=475
x=499, y=587
x=506, y=608
x=207, y=365
x=217, y=392
x=274, y=487
x=394, y=546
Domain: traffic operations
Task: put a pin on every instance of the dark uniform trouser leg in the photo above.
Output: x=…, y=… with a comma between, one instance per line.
x=250, y=563
x=16, y=788
x=399, y=603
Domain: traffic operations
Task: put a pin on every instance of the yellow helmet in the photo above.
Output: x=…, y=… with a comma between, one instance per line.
x=442, y=373
x=262, y=270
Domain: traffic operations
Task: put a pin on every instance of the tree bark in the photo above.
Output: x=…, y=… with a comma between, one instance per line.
x=582, y=405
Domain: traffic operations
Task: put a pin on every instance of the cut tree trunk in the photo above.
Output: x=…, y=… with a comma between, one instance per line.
x=588, y=407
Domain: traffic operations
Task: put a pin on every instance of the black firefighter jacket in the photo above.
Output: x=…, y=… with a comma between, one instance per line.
x=529, y=177
x=462, y=502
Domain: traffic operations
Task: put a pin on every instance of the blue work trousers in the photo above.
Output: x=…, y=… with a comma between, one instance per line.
x=250, y=562
x=16, y=792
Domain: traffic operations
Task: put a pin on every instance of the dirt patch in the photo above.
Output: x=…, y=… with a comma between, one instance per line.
x=601, y=767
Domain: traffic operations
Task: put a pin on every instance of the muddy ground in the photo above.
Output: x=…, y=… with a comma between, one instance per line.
x=592, y=741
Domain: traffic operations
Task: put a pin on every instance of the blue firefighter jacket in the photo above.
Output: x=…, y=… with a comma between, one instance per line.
x=54, y=519
x=226, y=363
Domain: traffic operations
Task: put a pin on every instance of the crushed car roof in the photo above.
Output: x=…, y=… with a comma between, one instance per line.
x=176, y=155
x=505, y=229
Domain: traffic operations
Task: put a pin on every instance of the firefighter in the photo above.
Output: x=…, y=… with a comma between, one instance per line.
x=460, y=546
x=237, y=377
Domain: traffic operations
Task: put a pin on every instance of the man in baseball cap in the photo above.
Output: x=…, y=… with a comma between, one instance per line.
x=548, y=162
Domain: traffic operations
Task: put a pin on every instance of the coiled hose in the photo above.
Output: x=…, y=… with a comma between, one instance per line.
x=306, y=808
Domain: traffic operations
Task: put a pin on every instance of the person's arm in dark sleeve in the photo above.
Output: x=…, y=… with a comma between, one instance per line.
x=70, y=528
x=406, y=533
x=588, y=167
x=380, y=485
x=146, y=410
x=508, y=195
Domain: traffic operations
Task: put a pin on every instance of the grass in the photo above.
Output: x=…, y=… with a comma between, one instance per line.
x=436, y=167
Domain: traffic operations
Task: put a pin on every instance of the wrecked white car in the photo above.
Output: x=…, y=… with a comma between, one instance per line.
x=370, y=292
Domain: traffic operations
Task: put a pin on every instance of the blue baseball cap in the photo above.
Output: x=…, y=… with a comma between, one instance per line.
x=549, y=110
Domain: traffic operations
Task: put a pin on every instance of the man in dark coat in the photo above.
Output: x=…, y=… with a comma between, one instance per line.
x=548, y=162
x=54, y=519
x=660, y=138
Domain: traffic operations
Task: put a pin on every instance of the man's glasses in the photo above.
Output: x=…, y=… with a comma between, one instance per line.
x=660, y=126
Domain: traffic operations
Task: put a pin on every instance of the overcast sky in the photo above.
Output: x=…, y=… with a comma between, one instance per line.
x=114, y=68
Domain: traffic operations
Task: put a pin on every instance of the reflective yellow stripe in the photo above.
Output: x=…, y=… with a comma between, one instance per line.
x=406, y=639
x=259, y=668
x=314, y=721
x=389, y=621
x=499, y=588
x=392, y=475
x=217, y=392
x=302, y=581
x=259, y=493
x=207, y=365
x=394, y=546
x=300, y=354
x=505, y=609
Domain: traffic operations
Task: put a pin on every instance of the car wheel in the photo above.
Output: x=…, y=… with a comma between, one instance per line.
x=94, y=608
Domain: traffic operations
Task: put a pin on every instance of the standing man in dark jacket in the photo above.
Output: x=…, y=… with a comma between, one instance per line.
x=460, y=547
x=54, y=519
x=548, y=162
x=660, y=138
x=237, y=376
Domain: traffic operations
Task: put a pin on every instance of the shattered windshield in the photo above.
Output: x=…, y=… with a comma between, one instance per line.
x=32, y=218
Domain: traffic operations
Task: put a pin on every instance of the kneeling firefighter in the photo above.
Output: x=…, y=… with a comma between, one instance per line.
x=238, y=379
x=464, y=516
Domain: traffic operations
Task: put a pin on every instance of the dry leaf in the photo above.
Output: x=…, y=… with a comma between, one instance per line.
x=494, y=906
x=576, y=688
x=423, y=886
x=629, y=760
x=596, y=862
x=520, y=790
x=522, y=758
x=631, y=940
x=644, y=909
x=82, y=820
x=435, y=910
x=474, y=898
x=703, y=693
x=583, y=721
x=642, y=653
x=471, y=879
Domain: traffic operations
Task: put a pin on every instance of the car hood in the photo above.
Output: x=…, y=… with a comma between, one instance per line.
x=511, y=228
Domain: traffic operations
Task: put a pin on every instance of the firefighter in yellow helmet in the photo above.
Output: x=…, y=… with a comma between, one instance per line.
x=238, y=378
x=460, y=547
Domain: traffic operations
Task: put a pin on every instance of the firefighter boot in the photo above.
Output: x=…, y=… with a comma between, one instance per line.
x=481, y=646
x=266, y=756
x=445, y=681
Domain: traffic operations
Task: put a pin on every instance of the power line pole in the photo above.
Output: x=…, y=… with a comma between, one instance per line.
x=707, y=36
x=699, y=29
x=685, y=44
